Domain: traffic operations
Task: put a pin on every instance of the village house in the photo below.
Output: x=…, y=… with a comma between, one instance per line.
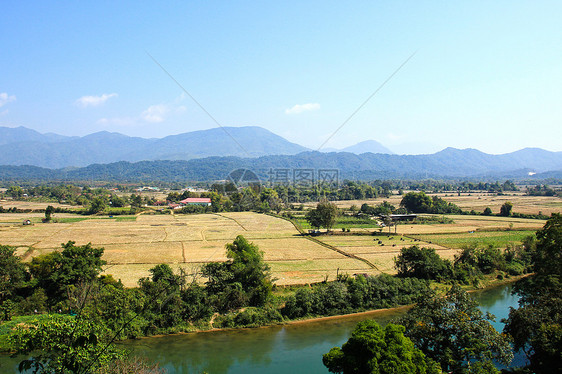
x=202, y=201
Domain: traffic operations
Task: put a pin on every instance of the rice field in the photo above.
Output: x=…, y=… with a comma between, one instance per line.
x=521, y=203
x=497, y=239
x=477, y=201
x=134, y=244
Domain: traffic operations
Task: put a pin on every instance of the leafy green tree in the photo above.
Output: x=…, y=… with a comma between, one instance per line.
x=117, y=309
x=536, y=326
x=487, y=211
x=163, y=291
x=97, y=205
x=313, y=218
x=244, y=279
x=15, y=191
x=454, y=332
x=423, y=263
x=136, y=201
x=372, y=349
x=13, y=278
x=324, y=215
x=249, y=269
x=117, y=201
x=49, y=212
x=196, y=301
x=417, y=202
x=270, y=199
x=56, y=272
x=63, y=344
x=505, y=209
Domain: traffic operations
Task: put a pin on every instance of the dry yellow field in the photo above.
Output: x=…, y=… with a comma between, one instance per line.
x=478, y=201
x=381, y=250
x=521, y=203
x=132, y=247
x=471, y=223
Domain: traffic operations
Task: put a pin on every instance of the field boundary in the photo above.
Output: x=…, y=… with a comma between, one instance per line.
x=233, y=219
x=326, y=245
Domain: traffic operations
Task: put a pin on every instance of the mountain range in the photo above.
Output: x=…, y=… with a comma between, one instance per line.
x=22, y=146
x=213, y=154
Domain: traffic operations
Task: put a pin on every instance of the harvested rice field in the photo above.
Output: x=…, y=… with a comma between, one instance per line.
x=134, y=244
x=477, y=201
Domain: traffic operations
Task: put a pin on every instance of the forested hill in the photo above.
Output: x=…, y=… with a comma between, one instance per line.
x=449, y=163
x=22, y=146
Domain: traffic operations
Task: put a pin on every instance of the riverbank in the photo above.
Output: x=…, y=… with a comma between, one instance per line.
x=276, y=349
x=489, y=284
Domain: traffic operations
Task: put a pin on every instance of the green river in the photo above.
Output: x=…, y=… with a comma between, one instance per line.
x=279, y=349
x=296, y=348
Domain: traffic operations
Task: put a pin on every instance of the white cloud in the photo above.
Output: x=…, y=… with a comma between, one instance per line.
x=86, y=101
x=155, y=113
x=5, y=98
x=299, y=108
x=119, y=121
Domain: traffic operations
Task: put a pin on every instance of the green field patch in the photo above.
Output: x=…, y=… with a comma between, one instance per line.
x=313, y=265
x=69, y=219
x=80, y=219
x=125, y=218
x=346, y=222
x=497, y=239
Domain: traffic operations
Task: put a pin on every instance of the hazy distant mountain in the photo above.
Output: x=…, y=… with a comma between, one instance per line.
x=22, y=134
x=212, y=154
x=22, y=146
x=366, y=146
x=415, y=148
x=449, y=163
x=100, y=147
x=250, y=141
x=371, y=146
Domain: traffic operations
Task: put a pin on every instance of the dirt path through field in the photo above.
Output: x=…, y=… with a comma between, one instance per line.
x=233, y=219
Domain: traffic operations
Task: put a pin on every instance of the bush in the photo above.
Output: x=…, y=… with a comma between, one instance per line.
x=353, y=294
x=249, y=317
x=515, y=268
x=422, y=263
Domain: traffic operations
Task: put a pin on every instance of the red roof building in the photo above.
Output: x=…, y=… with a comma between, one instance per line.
x=196, y=201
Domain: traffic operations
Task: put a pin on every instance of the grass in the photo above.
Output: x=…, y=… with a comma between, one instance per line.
x=69, y=219
x=125, y=218
x=343, y=222
x=498, y=239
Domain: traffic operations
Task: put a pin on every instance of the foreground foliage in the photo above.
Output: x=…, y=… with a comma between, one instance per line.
x=63, y=344
x=469, y=265
x=536, y=326
x=373, y=349
x=454, y=332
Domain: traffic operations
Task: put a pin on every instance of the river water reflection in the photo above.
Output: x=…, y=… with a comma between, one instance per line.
x=279, y=349
x=294, y=348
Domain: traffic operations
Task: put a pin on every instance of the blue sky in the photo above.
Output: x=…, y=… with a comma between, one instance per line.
x=486, y=75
